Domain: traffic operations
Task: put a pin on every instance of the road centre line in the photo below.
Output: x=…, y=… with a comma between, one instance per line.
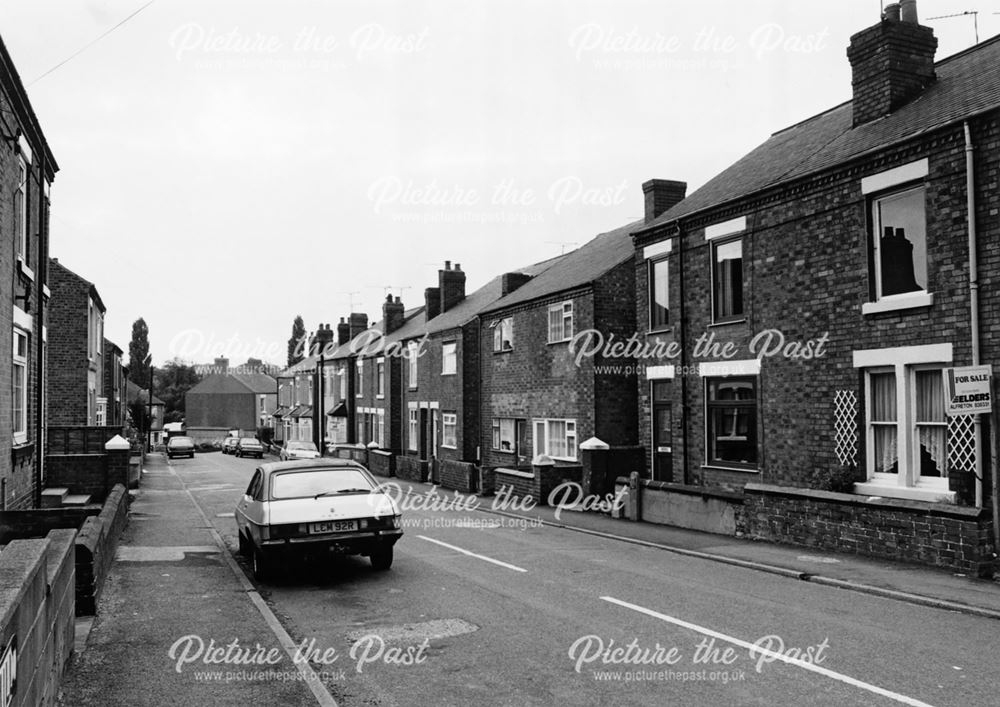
x=758, y=650
x=472, y=554
x=311, y=679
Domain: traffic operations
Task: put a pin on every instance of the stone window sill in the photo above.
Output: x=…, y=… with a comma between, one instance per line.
x=894, y=303
x=909, y=493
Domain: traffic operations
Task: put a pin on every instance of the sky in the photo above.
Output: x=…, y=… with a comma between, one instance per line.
x=226, y=165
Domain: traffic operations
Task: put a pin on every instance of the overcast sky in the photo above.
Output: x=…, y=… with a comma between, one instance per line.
x=228, y=164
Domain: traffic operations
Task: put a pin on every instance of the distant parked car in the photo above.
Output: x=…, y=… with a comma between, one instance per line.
x=180, y=447
x=298, y=450
x=249, y=447
x=229, y=445
x=307, y=509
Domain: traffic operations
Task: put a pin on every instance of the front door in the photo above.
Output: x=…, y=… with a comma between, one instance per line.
x=433, y=446
x=662, y=414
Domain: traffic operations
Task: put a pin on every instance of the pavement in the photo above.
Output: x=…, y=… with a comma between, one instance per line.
x=175, y=580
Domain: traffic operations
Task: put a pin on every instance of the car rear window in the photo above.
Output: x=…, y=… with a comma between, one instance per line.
x=248, y=440
x=302, y=484
x=302, y=445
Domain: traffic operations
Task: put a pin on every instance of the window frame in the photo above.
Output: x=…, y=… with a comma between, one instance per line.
x=359, y=378
x=498, y=335
x=754, y=408
x=876, y=228
x=19, y=423
x=447, y=370
x=412, y=370
x=651, y=267
x=564, y=312
x=546, y=438
x=21, y=212
x=453, y=424
x=380, y=378
x=716, y=244
x=413, y=429
x=497, y=437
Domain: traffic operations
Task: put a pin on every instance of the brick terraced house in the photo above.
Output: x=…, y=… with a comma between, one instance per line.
x=76, y=356
x=242, y=398
x=27, y=169
x=440, y=390
x=838, y=262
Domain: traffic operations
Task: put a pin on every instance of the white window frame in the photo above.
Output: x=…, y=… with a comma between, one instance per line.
x=560, y=322
x=413, y=429
x=360, y=367
x=904, y=362
x=21, y=211
x=498, y=335
x=651, y=269
x=380, y=430
x=19, y=427
x=546, y=447
x=714, y=246
x=342, y=373
x=449, y=358
x=411, y=365
x=101, y=415
x=449, y=420
x=380, y=378
x=498, y=435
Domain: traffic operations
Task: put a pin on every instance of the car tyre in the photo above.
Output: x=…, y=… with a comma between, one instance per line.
x=382, y=558
x=262, y=565
x=243, y=545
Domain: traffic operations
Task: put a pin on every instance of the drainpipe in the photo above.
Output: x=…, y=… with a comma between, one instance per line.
x=40, y=279
x=686, y=471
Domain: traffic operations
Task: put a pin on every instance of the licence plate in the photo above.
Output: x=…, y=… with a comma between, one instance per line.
x=333, y=526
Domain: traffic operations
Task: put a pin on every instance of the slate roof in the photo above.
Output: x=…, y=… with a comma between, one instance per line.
x=235, y=383
x=967, y=83
x=575, y=269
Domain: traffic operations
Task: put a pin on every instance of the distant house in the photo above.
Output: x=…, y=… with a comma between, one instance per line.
x=75, y=389
x=240, y=398
x=135, y=394
x=114, y=386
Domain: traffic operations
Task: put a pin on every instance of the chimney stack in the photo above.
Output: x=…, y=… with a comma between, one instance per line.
x=661, y=196
x=511, y=281
x=343, y=332
x=222, y=366
x=891, y=62
x=357, y=323
x=451, y=283
x=324, y=340
x=392, y=315
x=432, y=302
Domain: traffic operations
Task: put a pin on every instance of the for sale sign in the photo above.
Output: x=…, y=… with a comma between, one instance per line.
x=968, y=391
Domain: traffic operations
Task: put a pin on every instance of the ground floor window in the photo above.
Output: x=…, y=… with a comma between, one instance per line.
x=504, y=439
x=731, y=422
x=101, y=418
x=449, y=430
x=556, y=439
x=20, y=396
x=413, y=429
x=901, y=452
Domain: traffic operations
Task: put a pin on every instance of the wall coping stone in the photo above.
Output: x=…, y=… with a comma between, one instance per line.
x=688, y=490
x=925, y=507
x=515, y=472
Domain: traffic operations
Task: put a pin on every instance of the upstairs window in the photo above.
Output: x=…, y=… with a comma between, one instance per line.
x=560, y=322
x=21, y=210
x=899, y=243
x=412, y=354
x=359, y=383
x=503, y=334
x=380, y=378
x=727, y=281
x=449, y=358
x=20, y=388
x=659, y=299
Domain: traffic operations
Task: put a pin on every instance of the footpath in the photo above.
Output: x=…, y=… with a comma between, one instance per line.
x=170, y=594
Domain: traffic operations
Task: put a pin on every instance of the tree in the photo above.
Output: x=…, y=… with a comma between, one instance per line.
x=138, y=349
x=296, y=345
x=172, y=382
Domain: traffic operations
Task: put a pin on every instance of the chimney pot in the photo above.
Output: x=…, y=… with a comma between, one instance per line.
x=908, y=12
x=891, y=12
x=447, y=265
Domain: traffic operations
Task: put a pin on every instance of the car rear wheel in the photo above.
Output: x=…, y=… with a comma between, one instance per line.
x=382, y=559
x=243, y=545
x=263, y=565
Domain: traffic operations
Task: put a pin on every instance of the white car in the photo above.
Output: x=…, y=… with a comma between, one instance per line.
x=298, y=450
x=308, y=509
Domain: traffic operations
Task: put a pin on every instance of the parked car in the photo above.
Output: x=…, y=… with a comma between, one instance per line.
x=229, y=445
x=249, y=447
x=180, y=447
x=310, y=508
x=298, y=450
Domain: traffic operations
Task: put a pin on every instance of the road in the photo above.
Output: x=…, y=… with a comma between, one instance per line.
x=520, y=615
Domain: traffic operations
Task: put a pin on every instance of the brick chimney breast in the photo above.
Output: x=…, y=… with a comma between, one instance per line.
x=358, y=323
x=343, y=332
x=451, y=283
x=324, y=339
x=661, y=195
x=891, y=63
x=432, y=301
x=511, y=281
x=392, y=314
x=222, y=366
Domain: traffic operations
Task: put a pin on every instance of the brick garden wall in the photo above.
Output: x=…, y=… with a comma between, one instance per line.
x=461, y=476
x=946, y=536
x=411, y=468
